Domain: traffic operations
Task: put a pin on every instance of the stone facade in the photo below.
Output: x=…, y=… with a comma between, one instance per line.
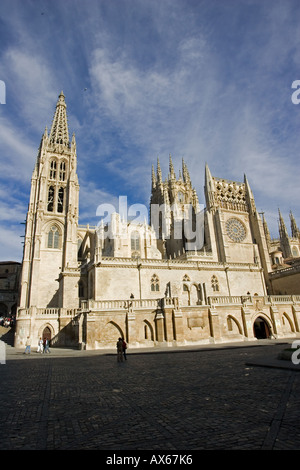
x=195, y=275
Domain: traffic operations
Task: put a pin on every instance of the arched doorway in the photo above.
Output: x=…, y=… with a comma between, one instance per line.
x=261, y=328
x=46, y=334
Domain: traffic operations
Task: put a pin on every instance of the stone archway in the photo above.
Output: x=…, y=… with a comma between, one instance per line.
x=47, y=334
x=261, y=328
x=46, y=331
x=195, y=295
x=111, y=333
x=148, y=331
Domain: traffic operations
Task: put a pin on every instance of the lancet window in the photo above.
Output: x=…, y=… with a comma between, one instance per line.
x=135, y=244
x=62, y=171
x=135, y=241
x=50, y=199
x=52, y=170
x=53, y=237
x=60, y=200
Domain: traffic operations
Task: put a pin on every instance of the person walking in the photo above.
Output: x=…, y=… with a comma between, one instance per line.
x=28, y=346
x=40, y=346
x=120, y=350
x=124, y=345
x=46, y=346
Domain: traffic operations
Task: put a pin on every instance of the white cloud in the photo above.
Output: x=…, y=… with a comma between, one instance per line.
x=18, y=153
x=31, y=84
x=199, y=82
x=189, y=110
x=90, y=198
x=11, y=248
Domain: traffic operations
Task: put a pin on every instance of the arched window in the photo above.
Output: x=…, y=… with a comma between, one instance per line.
x=135, y=244
x=53, y=170
x=50, y=199
x=60, y=200
x=135, y=241
x=62, y=171
x=154, y=283
x=53, y=237
x=215, y=284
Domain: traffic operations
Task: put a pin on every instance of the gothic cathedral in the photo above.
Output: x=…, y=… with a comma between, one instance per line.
x=195, y=275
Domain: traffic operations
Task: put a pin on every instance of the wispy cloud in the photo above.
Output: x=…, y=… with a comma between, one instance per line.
x=207, y=81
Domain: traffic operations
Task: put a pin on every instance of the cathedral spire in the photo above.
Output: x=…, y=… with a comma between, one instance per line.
x=284, y=238
x=59, y=133
x=153, y=178
x=208, y=188
x=159, y=175
x=249, y=195
x=185, y=173
x=266, y=230
x=171, y=169
x=282, y=228
x=294, y=228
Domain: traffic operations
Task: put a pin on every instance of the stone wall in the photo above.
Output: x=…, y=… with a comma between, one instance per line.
x=150, y=322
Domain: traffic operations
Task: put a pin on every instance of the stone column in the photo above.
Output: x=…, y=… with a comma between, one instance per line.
x=90, y=333
x=178, y=326
x=169, y=333
x=275, y=320
x=160, y=327
x=214, y=323
x=131, y=333
x=247, y=323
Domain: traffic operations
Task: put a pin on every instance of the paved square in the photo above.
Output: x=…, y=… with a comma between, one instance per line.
x=209, y=398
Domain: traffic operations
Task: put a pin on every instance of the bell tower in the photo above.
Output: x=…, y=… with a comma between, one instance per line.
x=50, y=248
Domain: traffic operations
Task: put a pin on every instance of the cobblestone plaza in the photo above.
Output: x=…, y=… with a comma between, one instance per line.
x=238, y=397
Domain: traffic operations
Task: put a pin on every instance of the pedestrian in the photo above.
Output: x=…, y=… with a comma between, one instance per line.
x=120, y=350
x=46, y=346
x=28, y=345
x=124, y=346
x=40, y=346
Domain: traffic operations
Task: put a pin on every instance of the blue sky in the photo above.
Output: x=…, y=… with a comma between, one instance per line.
x=207, y=81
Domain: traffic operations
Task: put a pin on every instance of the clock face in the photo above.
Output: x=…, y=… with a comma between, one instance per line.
x=235, y=230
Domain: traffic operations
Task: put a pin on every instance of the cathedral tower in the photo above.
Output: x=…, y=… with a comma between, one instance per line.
x=239, y=231
x=170, y=202
x=50, y=248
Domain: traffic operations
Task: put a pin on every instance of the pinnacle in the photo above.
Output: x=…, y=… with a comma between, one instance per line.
x=59, y=133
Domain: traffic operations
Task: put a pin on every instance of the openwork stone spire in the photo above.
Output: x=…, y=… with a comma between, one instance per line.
x=59, y=133
x=295, y=230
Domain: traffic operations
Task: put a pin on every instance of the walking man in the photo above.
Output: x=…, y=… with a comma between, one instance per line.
x=120, y=350
x=124, y=349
